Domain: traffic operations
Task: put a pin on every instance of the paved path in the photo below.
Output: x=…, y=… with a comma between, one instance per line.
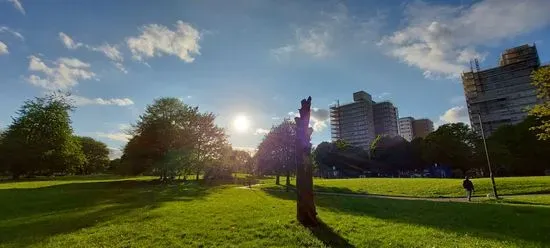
x=435, y=199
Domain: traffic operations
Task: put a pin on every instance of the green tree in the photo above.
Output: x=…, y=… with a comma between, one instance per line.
x=172, y=138
x=517, y=150
x=541, y=80
x=40, y=139
x=96, y=153
x=453, y=145
x=210, y=143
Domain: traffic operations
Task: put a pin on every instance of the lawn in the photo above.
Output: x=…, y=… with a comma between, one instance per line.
x=144, y=213
x=427, y=187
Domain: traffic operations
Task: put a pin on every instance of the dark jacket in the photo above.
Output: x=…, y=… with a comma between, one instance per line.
x=468, y=185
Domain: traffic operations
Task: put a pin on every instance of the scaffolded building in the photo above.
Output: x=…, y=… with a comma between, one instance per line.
x=504, y=94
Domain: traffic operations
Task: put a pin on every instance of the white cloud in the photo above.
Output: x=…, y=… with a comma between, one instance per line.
x=62, y=74
x=3, y=48
x=283, y=52
x=331, y=32
x=261, y=131
x=114, y=153
x=156, y=40
x=314, y=41
x=69, y=42
x=318, y=118
x=120, y=66
x=17, y=4
x=117, y=136
x=11, y=31
x=81, y=101
x=454, y=115
x=441, y=39
x=109, y=51
x=112, y=52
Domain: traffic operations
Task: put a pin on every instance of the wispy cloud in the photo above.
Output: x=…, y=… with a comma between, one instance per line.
x=17, y=4
x=157, y=40
x=112, y=52
x=261, y=131
x=441, y=39
x=4, y=29
x=117, y=136
x=82, y=101
x=323, y=37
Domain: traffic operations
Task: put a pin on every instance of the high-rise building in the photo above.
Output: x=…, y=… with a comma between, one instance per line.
x=422, y=127
x=361, y=121
x=409, y=128
x=385, y=119
x=353, y=122
x=501, y=95
x=406, y=128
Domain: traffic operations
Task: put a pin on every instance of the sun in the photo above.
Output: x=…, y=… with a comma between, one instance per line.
x=241, y=123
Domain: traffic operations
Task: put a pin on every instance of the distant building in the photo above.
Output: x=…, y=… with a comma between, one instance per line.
x=353, y=122
x=385, y=119
x=422, y=127
x=409, y=128
x=502, y=95
x=406, y=128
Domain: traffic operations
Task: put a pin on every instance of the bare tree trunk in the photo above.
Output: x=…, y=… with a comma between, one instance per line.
x=306, y=213
x=287, y=179
x=198, y=172
x=277, y=181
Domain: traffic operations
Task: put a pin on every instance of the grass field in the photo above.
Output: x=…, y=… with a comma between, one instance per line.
x=427, y=187
x=138, y=212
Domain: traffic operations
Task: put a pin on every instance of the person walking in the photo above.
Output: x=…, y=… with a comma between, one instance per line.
x=469, y=187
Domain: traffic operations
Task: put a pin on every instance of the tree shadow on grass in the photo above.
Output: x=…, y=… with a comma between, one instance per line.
x=32, y=214
x=486, y=220
x=328, y=236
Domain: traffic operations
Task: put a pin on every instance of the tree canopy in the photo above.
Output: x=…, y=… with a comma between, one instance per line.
x=541, y=79
x=40, y=140
x=172, y=138
x=96, y=153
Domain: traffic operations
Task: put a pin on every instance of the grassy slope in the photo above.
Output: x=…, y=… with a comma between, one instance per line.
x=140, y=213
x=429, y=187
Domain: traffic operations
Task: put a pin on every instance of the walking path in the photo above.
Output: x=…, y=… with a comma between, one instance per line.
x=435, y=199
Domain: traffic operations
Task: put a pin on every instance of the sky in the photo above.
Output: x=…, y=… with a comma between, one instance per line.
x=251, y=61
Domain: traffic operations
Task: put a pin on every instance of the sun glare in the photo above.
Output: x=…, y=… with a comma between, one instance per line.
x=241, y=123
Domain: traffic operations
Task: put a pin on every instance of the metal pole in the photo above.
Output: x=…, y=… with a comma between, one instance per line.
x=488, y=160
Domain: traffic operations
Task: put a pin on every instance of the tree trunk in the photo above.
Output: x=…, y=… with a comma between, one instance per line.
x=306, y=213
x=185, y=177
x=277, y=179
x=287, y=179
x=198, y=172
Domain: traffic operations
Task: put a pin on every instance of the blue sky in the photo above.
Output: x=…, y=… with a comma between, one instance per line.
x=256, y=58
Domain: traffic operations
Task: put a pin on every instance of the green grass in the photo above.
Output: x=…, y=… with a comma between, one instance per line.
x=427, y=187
x=144, y=213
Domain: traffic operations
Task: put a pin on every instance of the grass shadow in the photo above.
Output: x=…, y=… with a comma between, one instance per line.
x=328, y=236
x=485, y=220
x=32, y=214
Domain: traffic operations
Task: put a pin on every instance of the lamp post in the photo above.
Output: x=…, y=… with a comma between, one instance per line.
x=488, y=160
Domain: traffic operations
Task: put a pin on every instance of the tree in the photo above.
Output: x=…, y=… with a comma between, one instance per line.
x=210, y=142
x=40, y=139
x=541, y=80
x=172, y=138
x=515, y=149
x=306, y=213
x=96, y=153
x=452, y=144
x=240, y=161
x=276, y=152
